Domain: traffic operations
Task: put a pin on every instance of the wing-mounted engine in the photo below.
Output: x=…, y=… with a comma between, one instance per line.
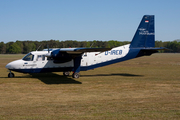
x=61, y=56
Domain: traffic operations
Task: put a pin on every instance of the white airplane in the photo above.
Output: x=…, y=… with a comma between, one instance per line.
x=82, y=59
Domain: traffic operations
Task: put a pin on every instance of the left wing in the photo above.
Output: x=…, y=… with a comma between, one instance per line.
x=62, y=55
x=82, y=50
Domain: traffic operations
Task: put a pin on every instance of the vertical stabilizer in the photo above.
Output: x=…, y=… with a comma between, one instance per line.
x=144, y=36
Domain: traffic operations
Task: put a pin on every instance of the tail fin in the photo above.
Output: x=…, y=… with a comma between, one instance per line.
x=144, y=36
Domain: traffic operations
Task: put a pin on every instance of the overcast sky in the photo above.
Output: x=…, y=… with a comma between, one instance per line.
x=86, y=20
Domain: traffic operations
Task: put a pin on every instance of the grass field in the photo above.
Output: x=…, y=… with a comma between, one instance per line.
x=143, y=88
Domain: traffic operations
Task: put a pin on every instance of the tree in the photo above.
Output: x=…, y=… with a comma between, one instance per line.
x=28, y=46
x=14, y=49
x=2, y=48
x=20, y=44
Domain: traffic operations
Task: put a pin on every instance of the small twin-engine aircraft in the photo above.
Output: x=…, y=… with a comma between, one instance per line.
x=82, y=59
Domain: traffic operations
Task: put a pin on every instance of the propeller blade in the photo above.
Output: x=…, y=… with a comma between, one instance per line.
x=48, y=47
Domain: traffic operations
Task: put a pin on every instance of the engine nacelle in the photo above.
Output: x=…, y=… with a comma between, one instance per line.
x=60, y=57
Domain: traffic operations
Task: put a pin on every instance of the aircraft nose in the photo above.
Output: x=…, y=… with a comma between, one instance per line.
x=8, y=66
x=14, y=64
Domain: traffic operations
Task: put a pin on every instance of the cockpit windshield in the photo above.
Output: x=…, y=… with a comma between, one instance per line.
x=28, y=57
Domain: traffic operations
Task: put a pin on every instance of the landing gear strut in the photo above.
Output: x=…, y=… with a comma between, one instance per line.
x=77, y=65
x=11, y=75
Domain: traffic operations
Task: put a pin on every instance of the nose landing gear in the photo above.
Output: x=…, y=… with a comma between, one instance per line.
x=10, y=75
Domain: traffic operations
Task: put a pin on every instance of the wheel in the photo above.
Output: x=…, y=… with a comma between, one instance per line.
x=11, y=75
x=75, y=75
x=66, y=73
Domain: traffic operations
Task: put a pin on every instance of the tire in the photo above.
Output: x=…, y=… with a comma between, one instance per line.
x=75, y=75
x=11, y=75
x=66, y=73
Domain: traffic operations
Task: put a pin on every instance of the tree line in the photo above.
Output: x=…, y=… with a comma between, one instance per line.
x=24, y=47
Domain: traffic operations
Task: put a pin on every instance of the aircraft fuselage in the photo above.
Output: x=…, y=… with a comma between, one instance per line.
x=37, y=62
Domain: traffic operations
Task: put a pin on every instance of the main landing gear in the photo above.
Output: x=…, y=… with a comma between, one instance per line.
x=74, y=75
x=10, y=75
x=66, y=73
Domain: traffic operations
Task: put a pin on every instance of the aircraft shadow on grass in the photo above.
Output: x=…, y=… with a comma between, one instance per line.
x=114, y=74
x=52, y=78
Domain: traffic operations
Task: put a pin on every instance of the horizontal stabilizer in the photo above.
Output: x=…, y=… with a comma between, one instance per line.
x=149, y=51
x=160, y=48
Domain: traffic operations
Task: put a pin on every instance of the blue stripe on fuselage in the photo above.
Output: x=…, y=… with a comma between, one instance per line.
x=131, y=54
x=43, y=70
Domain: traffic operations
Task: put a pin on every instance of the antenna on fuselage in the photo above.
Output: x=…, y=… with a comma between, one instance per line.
x=39, y=47
x=92, y=45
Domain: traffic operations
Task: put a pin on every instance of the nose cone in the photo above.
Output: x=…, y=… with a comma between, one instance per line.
x=8, y=66
x=14, y=65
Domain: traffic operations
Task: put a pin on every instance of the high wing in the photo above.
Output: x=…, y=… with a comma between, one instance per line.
x=82, y=50
x=62, y=55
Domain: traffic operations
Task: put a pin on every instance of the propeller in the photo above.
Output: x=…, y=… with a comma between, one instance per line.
x=48, y=47
x=48, y=54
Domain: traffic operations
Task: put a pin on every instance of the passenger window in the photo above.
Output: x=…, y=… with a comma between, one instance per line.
x=40, y=58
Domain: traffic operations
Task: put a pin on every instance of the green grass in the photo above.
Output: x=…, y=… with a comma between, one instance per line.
x=142, y=88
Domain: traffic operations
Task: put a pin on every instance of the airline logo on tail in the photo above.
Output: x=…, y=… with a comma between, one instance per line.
x=143, y=31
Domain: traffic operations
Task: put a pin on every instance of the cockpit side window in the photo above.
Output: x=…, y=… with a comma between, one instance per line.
x=40, y=58
x=28, y=57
